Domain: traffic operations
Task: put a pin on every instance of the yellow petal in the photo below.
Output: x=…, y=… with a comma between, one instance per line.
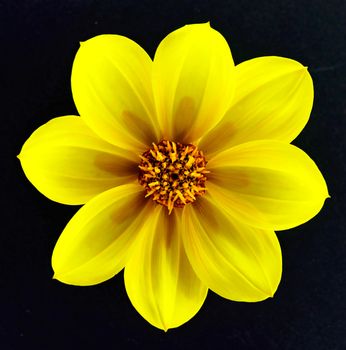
x=70, y=164
x=273, y=100
x=276, y=178
x=236, y=261
x=96, y=242
x=239, y=208
x=158, y=277
x=111, y=86
x=193, y=81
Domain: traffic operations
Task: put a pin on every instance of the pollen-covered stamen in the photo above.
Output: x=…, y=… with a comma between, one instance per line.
x=173, y=174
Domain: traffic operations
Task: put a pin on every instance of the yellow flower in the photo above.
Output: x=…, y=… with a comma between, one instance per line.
x=185, y=167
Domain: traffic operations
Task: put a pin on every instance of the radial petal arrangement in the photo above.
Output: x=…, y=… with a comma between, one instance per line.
x=185, y=169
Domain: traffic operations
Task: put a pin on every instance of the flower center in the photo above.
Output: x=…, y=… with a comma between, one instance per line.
x=174, y=174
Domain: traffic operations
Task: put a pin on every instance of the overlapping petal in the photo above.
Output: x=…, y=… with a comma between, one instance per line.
x=70, y=164
x=273, y=100
x=159, y=279
x=236, y=261
x=111, y=86
x=193, y=81
x=276, y=179
x=96, y=242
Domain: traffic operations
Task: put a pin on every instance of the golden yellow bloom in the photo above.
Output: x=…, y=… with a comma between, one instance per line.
x=185, y=167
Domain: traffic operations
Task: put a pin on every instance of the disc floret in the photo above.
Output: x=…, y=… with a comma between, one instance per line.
x=173, y=174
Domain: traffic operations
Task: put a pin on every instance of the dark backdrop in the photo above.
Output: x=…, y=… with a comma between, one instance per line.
x=38, y=42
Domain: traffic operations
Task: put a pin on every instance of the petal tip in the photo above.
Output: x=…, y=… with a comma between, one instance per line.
x=164, y=326
x=202, y=25
x=269, y=293
x=301, y=69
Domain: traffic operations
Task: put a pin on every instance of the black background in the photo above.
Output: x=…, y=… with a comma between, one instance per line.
x=38, y=42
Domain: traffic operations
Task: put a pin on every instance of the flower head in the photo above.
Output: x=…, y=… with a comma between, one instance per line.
x=185, y=169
